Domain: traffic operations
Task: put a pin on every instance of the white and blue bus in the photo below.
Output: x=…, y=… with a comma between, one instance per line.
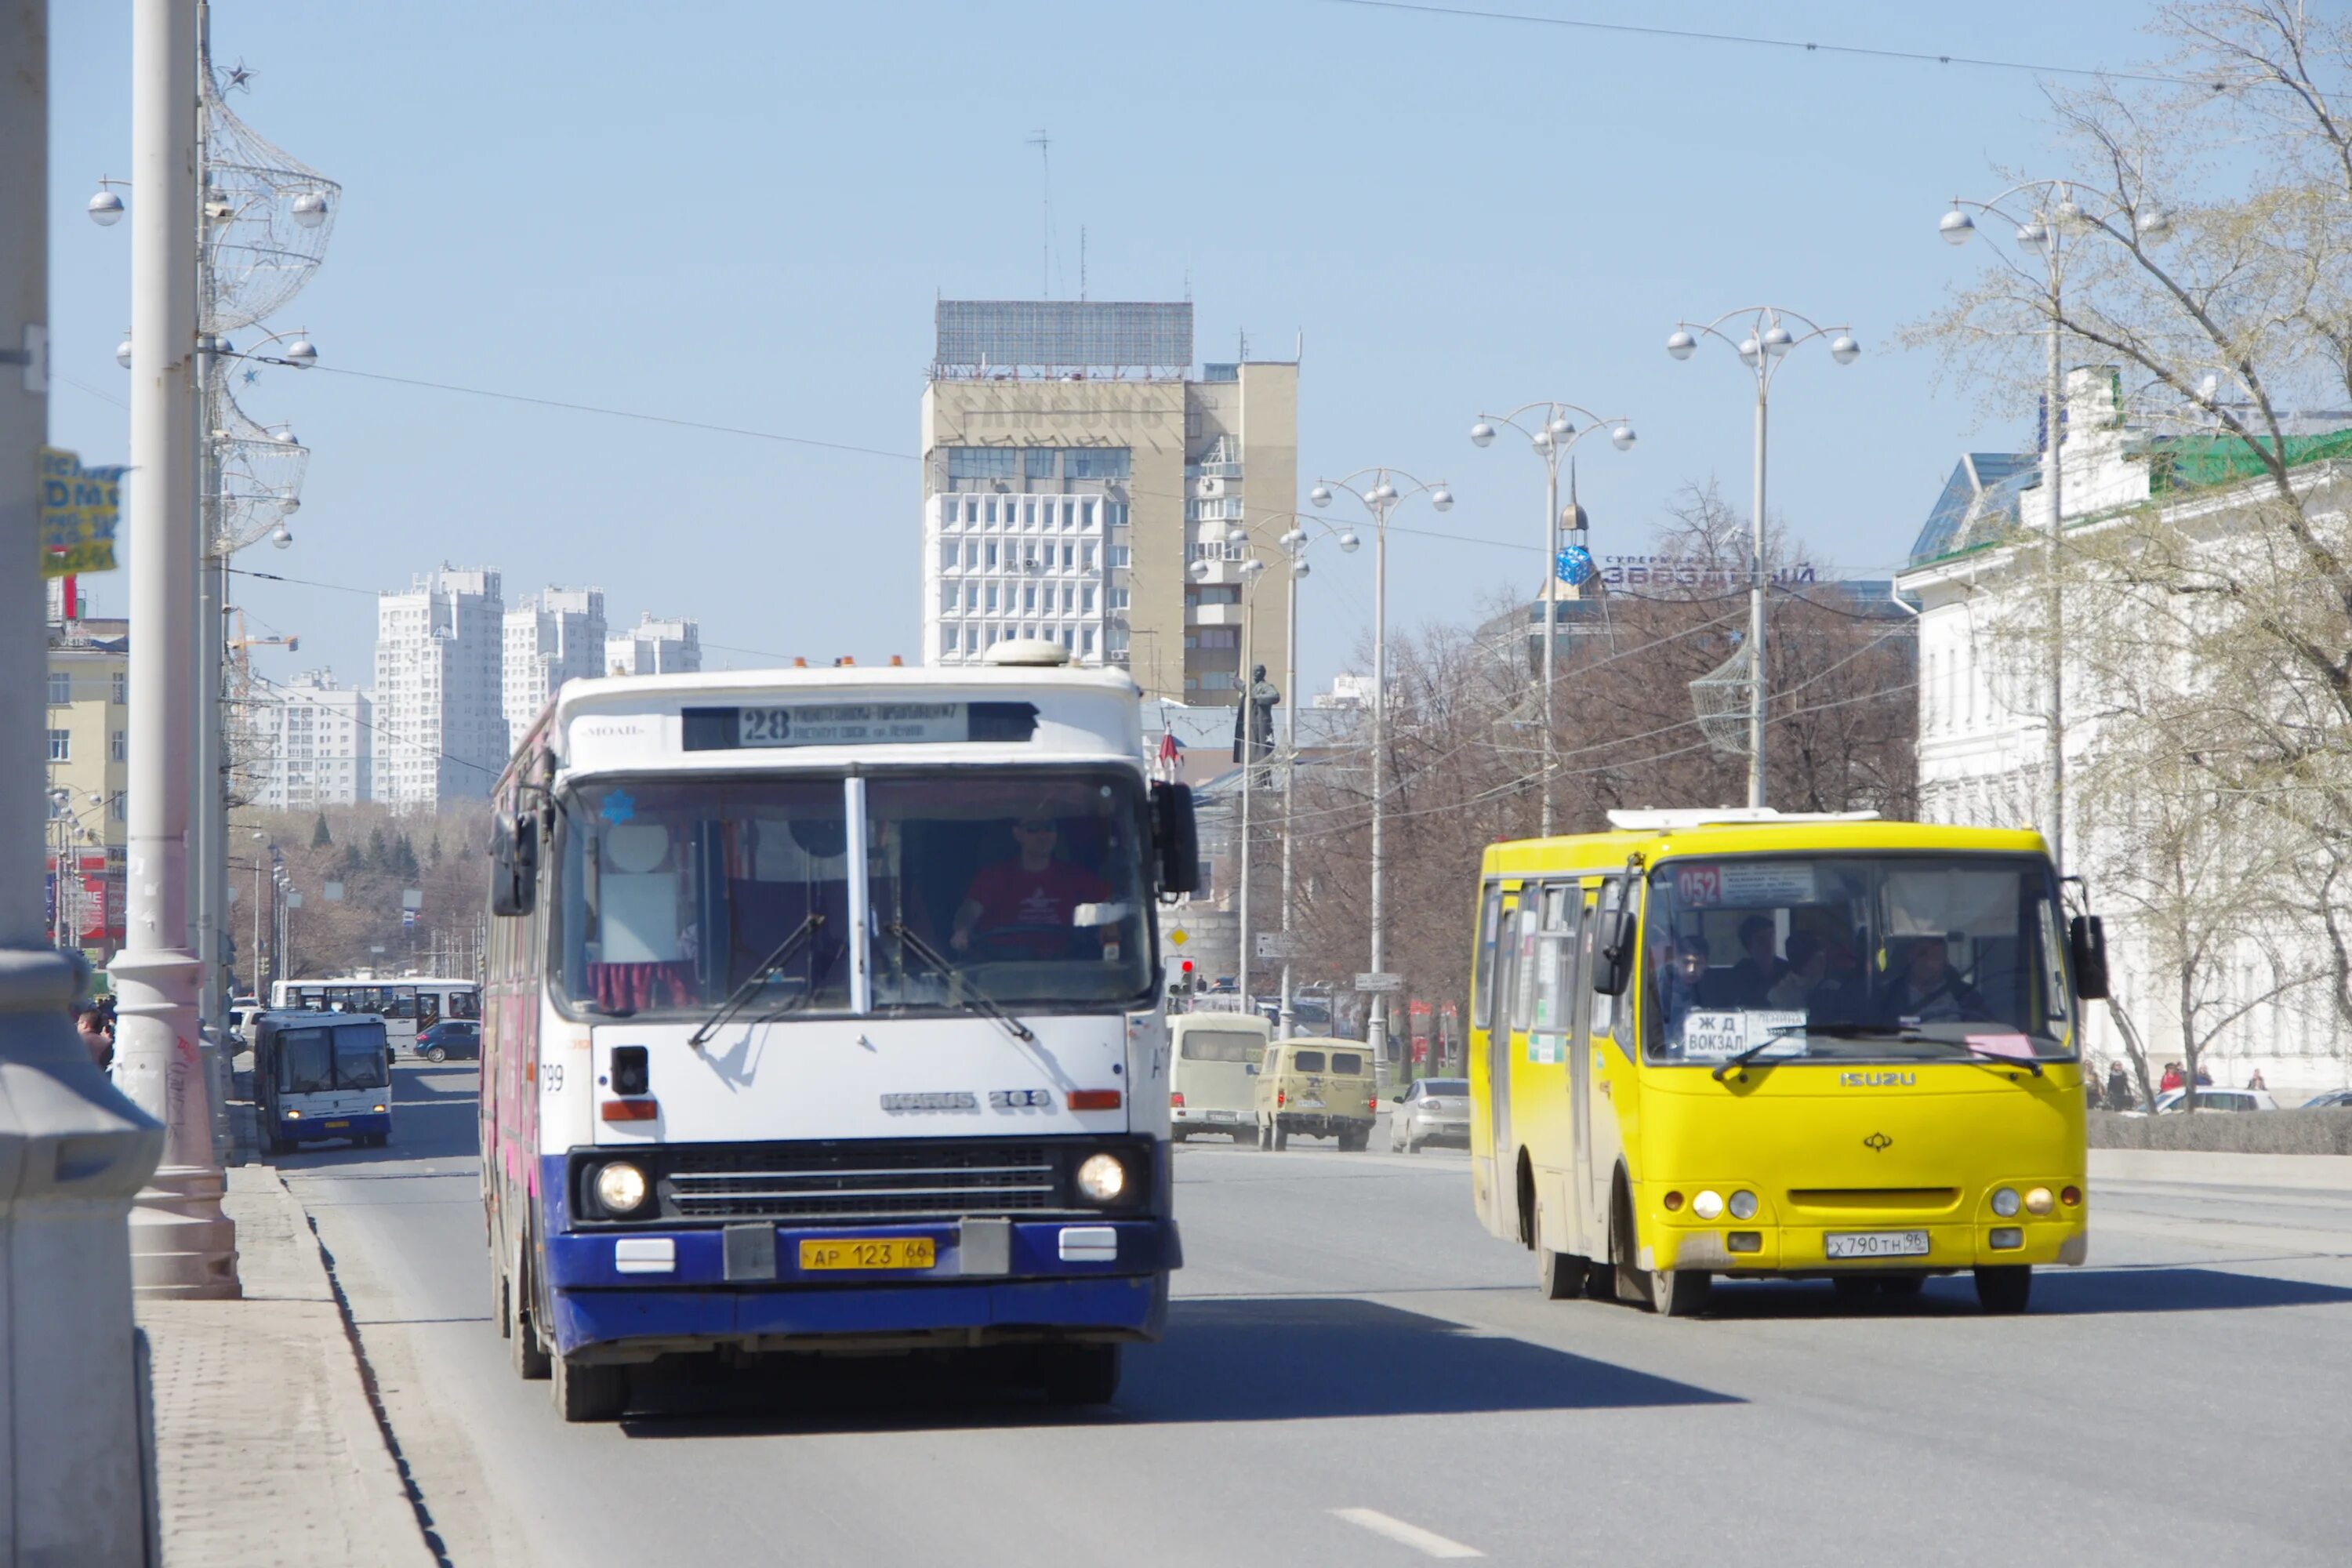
x=823, y=1014
x=319, y=1075
x=408, y=1005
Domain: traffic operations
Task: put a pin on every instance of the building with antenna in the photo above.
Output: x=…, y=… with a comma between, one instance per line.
x=1071, y=455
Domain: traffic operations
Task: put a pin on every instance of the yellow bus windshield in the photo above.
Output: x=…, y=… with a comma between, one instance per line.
x=1853, y=956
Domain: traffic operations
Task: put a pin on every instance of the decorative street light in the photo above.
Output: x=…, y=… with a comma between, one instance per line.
x=1765, y=341
x=1375, y=489
x=1552, y=432
x=2047, y=222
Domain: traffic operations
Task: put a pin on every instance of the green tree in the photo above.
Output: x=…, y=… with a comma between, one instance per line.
x=403, y=857
x=319, y=837
x=353, y=863
x=378, y=857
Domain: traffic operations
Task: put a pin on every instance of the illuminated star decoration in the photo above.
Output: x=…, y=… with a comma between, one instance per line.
x=240, y=77
x=251, y=375
x=619, y=806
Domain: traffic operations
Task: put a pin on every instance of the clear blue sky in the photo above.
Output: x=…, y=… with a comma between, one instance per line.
x=741, y=213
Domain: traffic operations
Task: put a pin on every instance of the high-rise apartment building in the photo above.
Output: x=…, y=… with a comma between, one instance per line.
x=441, y=727
x=655, y=647
x=317, y=745
x=1071, y=464
x=551, y=638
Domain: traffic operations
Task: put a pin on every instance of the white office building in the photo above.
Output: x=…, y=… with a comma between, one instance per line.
x=317, y=745
x=2259, y=988
x=551, y=638
x=670, y=645
x=441, y=724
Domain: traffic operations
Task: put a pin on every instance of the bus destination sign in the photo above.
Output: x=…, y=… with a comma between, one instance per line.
x=856, y=724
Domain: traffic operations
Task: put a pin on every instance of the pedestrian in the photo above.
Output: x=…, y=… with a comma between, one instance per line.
x=2204, y=1076
x=2256, y=1081
x=97, y=1034
x=2091, y=1097
x=2119, y=1094
x=2171, y=1078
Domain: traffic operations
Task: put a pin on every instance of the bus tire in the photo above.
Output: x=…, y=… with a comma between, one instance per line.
x=499, y=1299
x=1630, y=1283
x=590, y=1392
x=2004, y=1288
x=1561, y=1275
x=530, y=1358
x=1079, y=1374
x=1680, y=1292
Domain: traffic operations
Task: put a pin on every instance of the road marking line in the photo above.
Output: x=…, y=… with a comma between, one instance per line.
x=1428, y=1542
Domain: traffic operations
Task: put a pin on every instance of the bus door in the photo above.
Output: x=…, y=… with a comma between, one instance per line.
x=1577, y=949
x=1514, y=969
x=1606, y=1055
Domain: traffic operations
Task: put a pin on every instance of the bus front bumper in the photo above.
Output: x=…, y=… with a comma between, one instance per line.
x=1732, y=1246
x=351, y=1124
x=628, y=1295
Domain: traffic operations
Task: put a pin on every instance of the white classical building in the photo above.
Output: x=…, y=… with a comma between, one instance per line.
x=654, y=646
x=441, y=725
x=317, y=745
x=551, y=638
x=1977, y=570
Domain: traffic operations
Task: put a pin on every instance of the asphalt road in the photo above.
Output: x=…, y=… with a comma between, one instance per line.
x=1354, y=1373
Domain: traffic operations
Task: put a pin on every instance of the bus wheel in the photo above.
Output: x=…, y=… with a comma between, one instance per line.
x=1079, y=1374
x=500, y=1292
x=1560, y=1275
x=589, y=1393
x=1679, y=1293
x=531, y=1359
x=2004, y=1287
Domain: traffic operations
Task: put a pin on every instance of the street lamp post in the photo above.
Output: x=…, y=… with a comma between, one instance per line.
x=1766, y=345
x=2044, y=230
x=1554, y=434
x=1252, y=571
x=1376, y=490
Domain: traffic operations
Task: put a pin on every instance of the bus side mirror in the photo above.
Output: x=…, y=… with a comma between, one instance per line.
x=2087, y=936
x=514, y=865
x=1612, y=957
x=1177, y=836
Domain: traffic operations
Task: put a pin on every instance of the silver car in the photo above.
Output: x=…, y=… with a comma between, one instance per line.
x=1433, y=1111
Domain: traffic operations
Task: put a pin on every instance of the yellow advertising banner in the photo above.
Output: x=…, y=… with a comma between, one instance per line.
x=79, y=508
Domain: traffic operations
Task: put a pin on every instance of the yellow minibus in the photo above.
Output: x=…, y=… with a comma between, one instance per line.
x=1747, y=1044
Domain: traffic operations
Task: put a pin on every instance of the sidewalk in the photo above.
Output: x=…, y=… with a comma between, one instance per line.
x=2329, y=1172
x=267, y=1450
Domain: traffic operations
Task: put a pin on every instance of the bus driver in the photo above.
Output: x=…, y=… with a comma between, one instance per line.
x=1023, y=907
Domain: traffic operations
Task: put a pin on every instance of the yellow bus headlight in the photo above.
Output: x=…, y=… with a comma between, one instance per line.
x=1743, y=1206
x=1708, y=1205
x=2039, y=1201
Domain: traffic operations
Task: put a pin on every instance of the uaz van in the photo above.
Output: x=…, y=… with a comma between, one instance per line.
x=1213, y=1073
x=1319, y=1088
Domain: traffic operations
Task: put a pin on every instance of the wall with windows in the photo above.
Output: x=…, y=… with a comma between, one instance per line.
x=86, y=728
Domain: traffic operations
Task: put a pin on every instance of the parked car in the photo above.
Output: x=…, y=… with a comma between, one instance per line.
x=2333, y=1100
x=1434, y=1111
x=2218, y=1099
x=460, y=1037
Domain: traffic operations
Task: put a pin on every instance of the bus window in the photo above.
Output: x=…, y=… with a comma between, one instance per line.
x=1481, y=997
x=428, y=1007
x=358, y=1057
x=467, y=1004
x=1523, y=962
x=1220, y=1045
x=1604, y=1006
x=403, y=1002
x=305, y=1064
x=1552, y=994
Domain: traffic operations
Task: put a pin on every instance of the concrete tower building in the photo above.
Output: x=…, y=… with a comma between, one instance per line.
x=653, y=646
x=1070, y=461
x=551, y=638
x=440, y=718
x=317, y=744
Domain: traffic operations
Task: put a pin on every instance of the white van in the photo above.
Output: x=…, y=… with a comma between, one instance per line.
x=1212, y=1072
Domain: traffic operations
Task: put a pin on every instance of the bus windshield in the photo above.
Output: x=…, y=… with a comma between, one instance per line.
x=1855, y=956
x=1026, y=888
x=312, y=1061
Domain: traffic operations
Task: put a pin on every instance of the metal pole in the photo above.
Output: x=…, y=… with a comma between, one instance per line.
x=179, y=1242
x=1550, y=600
x=1376, y=1033
x=2054, y=741
x=1289, y=1015
x=253, y=960
x=1755, y=597
x=1249, y=771
x=73, y=1488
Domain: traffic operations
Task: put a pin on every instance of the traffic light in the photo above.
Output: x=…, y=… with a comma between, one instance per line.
x=1182, y=985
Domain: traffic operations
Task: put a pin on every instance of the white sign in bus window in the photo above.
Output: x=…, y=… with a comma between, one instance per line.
x=639, y=917
x=1712, y=1036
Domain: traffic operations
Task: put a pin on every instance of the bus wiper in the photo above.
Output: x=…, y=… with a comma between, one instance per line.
x=1779, y=1032
x=973, y=1000
x=752, y=982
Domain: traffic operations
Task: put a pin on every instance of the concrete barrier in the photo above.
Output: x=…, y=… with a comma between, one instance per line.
x=2325, y=1173
x=2301, y=1132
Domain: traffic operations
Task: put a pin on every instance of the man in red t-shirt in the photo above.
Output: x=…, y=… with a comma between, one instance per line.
x=1022, y=907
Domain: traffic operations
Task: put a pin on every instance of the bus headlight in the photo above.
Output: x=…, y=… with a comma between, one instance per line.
x=2038, y=1201
x=1743, y=1206
x=1707, y=1204
x=1101, y=1178
x=2004, y=1202
x=620, y=1187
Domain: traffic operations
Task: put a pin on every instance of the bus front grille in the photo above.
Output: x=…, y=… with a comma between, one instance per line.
x=828, y=1184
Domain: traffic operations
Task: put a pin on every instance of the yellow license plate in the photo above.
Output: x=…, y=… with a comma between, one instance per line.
x=871, y=1252
x=339, y=1124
